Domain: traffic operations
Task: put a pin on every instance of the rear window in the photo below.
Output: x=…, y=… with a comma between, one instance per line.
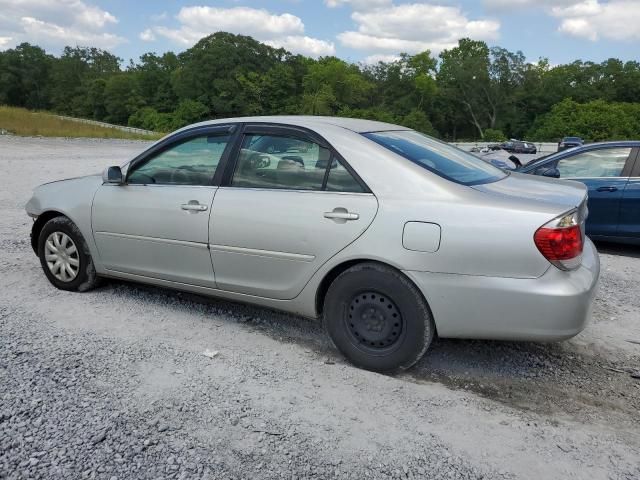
x=438, y=157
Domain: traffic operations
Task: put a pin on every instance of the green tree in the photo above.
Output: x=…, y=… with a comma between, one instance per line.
x=210, y=71
x=465, y=81
x=121, y=98
x=595, y=121
x=25, y=76
x=331, y=84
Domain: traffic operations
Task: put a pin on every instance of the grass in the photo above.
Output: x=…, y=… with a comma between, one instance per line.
x=20, y=121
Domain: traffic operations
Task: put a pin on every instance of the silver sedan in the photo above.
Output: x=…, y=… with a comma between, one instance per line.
x=388, y=235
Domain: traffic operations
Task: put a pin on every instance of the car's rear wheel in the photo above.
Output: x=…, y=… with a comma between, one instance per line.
x=65, y=257
x=377, y=318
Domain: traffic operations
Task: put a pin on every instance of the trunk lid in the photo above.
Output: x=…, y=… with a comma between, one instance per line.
x=530, y=187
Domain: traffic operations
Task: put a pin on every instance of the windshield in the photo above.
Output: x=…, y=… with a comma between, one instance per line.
x=438, y=157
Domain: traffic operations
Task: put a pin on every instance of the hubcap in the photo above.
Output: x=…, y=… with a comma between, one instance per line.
x=61, y=255
x=374, y=321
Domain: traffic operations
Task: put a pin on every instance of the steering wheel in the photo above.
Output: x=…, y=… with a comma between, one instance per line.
x=179, y=176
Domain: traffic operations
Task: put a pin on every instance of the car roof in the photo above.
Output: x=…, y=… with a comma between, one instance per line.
x=357, y=125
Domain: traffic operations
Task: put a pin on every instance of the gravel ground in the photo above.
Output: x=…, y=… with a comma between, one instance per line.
x=113, y=383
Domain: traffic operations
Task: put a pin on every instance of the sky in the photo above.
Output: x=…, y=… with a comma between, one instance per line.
x=355, y=30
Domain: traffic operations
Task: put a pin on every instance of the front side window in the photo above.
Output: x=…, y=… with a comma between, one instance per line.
x=280, y=162
x=438, y=157
x=607, y=162
x=191, y=162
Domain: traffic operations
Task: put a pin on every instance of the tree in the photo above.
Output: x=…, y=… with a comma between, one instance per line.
x=331, y=84
x=121, y=98
x=25, y=76
x=73, y=74
x=154, y=80
x=419, y=121
x=189, y=111
x=593, y=121
x=464, y=77
x=210, y=71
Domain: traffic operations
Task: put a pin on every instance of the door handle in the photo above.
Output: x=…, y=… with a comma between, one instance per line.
x=341, y=214
x=607, y=189
x=193, y=206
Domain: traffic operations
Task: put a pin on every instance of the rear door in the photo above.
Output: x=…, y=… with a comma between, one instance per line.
x=288, y=204
x=605, y=172
x=629, y=223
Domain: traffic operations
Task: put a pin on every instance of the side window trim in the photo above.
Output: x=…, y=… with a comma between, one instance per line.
x=287, y=130
x=182, y=137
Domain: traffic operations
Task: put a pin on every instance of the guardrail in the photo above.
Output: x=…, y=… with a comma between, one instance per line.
x=140, y=131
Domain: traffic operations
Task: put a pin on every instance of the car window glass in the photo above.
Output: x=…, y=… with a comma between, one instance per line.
x=279, y=161
x=192, y=162
x=340, y=180
x=607, y=162
x=438, y=157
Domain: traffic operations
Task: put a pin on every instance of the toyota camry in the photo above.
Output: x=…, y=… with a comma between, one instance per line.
x=387, y=235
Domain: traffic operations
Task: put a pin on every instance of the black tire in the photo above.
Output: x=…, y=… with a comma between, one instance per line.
x=377, y=318
x=86, y=277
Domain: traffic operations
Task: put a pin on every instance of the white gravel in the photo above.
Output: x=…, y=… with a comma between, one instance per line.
x=113, y=383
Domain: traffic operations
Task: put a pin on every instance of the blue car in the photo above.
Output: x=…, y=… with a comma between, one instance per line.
x=611, y=171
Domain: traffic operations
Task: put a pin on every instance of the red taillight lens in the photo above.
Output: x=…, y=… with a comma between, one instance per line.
x=560, y=241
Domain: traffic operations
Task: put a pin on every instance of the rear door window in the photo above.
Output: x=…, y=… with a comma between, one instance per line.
x=284, y=162
x=281, y=162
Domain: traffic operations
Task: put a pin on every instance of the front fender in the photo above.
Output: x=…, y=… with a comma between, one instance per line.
x=72, y=198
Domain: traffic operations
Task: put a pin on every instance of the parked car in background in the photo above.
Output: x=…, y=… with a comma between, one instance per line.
x=611, y=172
x=569, y=142
x=386, y=234
x=518, y=146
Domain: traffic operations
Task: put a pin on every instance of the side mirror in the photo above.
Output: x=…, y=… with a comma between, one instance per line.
x=551, y=172
x=112, y=175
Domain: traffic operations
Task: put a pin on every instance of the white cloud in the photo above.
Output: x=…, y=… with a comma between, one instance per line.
x=41, y=32
x=4, y=41
x=284, y=30
x=359, y=5
x=147, y=35
x=55, y=23
x=374, y=59
x=518, y=4
x=93, y=16
x=413, y=28
x=592, y=19
x=312, y=47
x=159, y=17
x=245, y=20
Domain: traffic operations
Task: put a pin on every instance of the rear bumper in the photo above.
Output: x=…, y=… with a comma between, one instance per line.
x=555, y=306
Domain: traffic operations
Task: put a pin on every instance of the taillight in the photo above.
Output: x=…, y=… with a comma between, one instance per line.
x=561, y=241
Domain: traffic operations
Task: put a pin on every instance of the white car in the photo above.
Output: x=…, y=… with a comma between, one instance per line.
x=387, y=234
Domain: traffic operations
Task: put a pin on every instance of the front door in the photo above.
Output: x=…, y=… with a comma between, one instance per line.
x=157, y=223
x=604, y=172
x=288, y=207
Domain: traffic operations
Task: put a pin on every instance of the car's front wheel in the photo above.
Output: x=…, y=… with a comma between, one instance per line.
x=377, y=318
x=65, y=257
